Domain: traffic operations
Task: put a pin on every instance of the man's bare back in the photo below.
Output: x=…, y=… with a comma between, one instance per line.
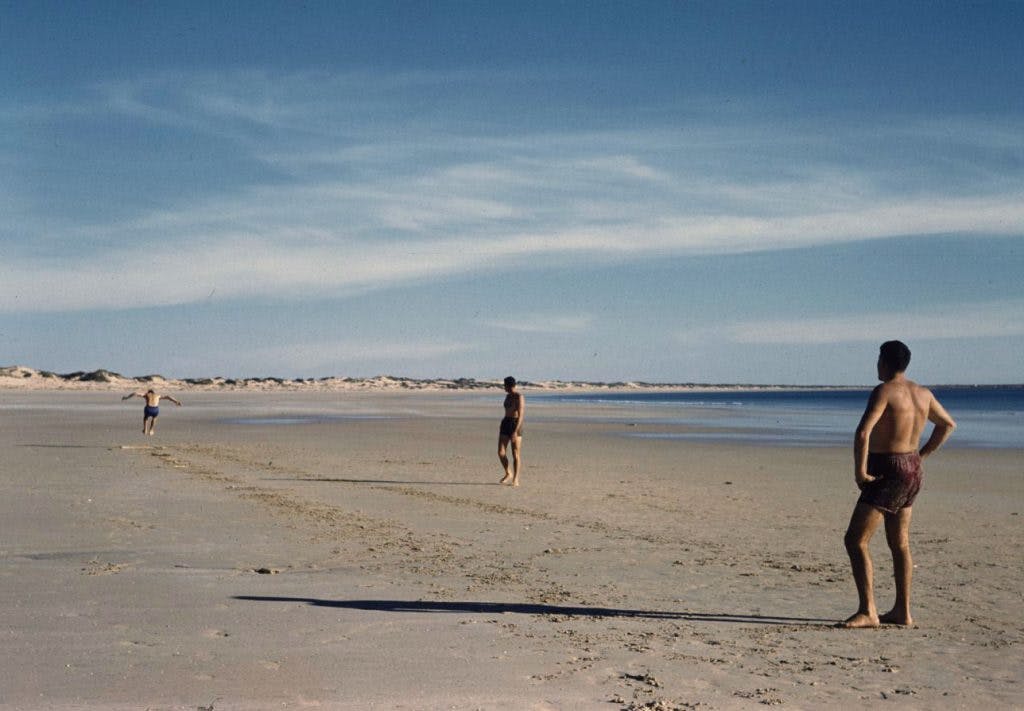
x=902, y=421
x=894, y=420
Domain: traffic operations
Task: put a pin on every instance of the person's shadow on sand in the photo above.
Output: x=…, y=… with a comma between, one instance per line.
x=409, y=482
x=498, y=608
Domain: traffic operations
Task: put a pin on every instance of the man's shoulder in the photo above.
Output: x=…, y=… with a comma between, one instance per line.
x=896, y=392
x=917, y=388
x=883, y=389
x=890, y=391
x=921, y=393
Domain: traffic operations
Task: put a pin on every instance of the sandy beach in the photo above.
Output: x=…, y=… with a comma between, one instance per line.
x=250, y=555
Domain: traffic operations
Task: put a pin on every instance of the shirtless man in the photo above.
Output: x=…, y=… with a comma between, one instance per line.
x=511, y=431
x=152, y=409
x=887, y=469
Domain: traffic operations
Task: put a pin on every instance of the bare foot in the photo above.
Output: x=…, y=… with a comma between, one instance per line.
x=859, y=621
x=894, y=617
x=508, y=475
x=515, y=482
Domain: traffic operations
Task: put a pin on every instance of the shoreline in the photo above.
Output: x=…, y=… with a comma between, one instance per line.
x=689, y=415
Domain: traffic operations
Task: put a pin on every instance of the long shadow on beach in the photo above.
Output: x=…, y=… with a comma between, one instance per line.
x=333, y=480
x=498, y=608
x=64, y=446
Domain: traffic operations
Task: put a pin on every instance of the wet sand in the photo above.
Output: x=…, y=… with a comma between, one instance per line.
x=370, y=560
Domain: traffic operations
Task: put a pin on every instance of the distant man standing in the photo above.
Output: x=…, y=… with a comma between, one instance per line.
x=887, y=469
x=152, y=408
x=511, y=432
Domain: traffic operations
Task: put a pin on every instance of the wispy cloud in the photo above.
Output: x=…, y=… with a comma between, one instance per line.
x=992, y=319
x=349, y=350
x=249, y=257
x=283, y=244
x=543, y=323
x=365, y=356
x=366, y=194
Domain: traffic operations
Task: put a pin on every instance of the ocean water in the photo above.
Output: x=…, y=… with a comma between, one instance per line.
x=986, y=416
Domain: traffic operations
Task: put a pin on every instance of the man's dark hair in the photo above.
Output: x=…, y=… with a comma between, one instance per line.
x=510, y=381
x=895, y=354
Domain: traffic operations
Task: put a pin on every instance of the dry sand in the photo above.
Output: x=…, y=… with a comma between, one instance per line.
x=373, y=562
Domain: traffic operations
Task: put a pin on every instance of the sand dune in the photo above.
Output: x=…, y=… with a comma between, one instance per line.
x=18, y=377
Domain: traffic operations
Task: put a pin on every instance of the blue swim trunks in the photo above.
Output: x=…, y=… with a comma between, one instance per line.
x=151, y=411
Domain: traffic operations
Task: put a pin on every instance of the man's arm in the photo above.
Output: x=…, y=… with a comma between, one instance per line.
x=168, y=397
x=944, y=426
x=131, y=395
x=522, y=413
x=872, y=414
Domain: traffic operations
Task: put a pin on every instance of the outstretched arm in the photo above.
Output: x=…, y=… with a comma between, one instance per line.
x=131, y=395
x=168, y=397
x=944, y=426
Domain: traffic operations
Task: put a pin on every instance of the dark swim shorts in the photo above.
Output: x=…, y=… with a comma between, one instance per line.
x=151, y=411
x=508, y=427
x=898, y=480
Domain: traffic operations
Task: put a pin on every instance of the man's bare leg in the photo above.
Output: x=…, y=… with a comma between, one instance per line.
x=146, y=424
x=863, y=524
x=517, y=459
x=897, y=534
x=502, y=446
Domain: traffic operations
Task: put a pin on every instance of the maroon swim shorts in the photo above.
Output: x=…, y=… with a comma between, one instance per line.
x=897, y=481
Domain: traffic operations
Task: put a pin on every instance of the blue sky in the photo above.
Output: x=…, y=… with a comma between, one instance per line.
x=674, y=192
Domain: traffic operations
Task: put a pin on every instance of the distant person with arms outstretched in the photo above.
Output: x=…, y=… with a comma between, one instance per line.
x=152, y=408
x=511, y=432
x=888, y=471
